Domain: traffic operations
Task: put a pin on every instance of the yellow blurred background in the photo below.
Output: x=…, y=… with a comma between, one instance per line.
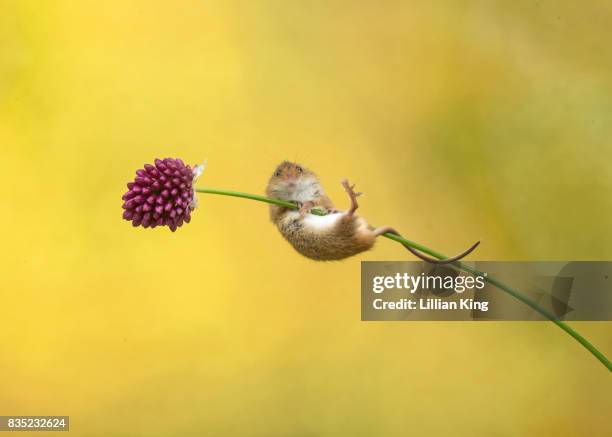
x=459, y=120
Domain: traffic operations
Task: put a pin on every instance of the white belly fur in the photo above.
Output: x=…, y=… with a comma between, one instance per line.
x=318, y=223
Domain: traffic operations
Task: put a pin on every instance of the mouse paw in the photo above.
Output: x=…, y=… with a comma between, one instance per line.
x=350, y=189
x=305, y=208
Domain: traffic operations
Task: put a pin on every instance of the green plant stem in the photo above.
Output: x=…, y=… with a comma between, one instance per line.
x=514, y=293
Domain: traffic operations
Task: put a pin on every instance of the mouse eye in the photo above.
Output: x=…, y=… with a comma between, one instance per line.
x=278, y=173
x=298, y=168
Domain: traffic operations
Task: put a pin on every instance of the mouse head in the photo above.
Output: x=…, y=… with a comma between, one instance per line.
x=290, y=171
x=290, y=178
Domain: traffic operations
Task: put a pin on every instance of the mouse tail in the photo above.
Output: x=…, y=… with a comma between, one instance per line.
x=418, y=254
x=442, y=261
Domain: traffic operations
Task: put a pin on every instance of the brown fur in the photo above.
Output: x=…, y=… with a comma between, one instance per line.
x=338, y=242
x=349, y=236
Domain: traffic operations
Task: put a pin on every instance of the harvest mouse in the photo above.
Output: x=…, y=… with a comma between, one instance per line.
x=334, y=236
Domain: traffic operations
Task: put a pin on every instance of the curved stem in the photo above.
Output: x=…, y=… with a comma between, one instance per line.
x=514, y=293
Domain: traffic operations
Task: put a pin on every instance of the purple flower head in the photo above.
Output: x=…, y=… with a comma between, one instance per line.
x=162, y=194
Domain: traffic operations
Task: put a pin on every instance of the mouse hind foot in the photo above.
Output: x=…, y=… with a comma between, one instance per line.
x=350, y=190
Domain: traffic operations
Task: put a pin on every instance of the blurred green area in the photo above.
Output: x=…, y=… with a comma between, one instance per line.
x=459, y=120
